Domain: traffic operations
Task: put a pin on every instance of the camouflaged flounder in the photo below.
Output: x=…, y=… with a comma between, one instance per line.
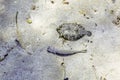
x=72, y=31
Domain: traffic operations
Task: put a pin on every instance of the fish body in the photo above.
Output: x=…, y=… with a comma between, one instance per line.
x=63, y=52
x=72, y=31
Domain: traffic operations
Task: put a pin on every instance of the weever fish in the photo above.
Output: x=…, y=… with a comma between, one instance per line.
x=63, y=52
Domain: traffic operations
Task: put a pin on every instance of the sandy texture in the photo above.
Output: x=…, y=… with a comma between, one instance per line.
x=23, y=47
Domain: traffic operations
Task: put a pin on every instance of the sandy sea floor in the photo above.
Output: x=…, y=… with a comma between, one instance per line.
x=28, y=27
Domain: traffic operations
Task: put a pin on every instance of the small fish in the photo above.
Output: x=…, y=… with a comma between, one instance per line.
x=63, y=52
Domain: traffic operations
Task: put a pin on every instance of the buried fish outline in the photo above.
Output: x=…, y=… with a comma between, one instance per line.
x=63, y=53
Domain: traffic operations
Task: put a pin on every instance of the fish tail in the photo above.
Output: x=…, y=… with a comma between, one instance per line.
x=82, y=51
